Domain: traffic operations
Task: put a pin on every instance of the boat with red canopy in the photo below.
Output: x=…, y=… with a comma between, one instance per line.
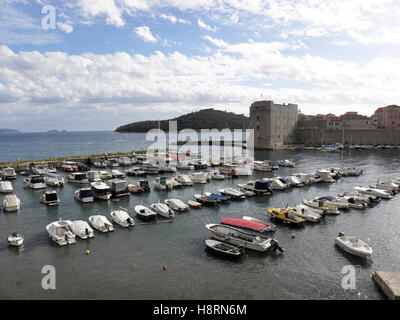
x=250, y=225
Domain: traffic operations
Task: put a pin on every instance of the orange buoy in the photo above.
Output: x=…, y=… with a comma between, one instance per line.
x=87, y=251
x=164, y=267
x=293, y=236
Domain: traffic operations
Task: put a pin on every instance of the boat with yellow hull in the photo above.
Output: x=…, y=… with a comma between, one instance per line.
x=286, y=215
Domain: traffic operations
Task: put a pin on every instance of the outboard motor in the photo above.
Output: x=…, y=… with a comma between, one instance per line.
x=275, y=246
x=341, y=234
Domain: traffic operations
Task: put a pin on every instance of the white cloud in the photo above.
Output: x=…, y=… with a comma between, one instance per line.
x=145, y=33
x=174, y=19
x=65, y=27
x=206, y=26
x=217, y=42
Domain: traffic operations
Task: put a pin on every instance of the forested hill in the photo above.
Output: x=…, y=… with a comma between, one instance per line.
x=203, y=119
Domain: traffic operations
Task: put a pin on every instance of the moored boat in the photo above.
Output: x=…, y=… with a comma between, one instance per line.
x=353, y=245
x=122, y=217
x=101, y=223
x=145, y=213
x=15, y=239
x=286, y=215
x=248, y=224
x=223, y=248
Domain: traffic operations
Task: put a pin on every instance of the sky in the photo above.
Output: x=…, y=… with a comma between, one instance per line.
x=97, y=64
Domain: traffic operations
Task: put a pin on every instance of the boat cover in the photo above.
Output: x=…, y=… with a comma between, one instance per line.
x=262, y=185
x=247, y=224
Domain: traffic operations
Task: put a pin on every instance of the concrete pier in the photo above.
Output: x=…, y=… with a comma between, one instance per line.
x=389, y=282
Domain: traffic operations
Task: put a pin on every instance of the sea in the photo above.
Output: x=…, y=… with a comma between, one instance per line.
x=169, y=260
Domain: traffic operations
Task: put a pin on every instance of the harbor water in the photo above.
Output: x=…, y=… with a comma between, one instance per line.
x=128, y=263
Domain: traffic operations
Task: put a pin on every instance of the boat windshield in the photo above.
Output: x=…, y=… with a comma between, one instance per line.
x=86, y=193
x=51, y=197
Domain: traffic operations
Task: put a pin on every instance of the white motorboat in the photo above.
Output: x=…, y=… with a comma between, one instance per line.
x=262, y=166
x=82, y=229
x=11, y=203
x=386, y=185
x=145, y=213
x=100, y=164
x=199, y=177
x=314, y=178
x=124, y=161
x=69, y=166
x=101, y=223
x=119, y=188
x=163, y=210
x=355, y=202
x=279, y=183
x=35, y=182
x=286, y=163
x=304, y=177
x=8, y=173
x=326, y=175
x=105, y=175
x=339, y=203
x=93, y=175
x=78, y=177
x=60, y=232
x=15, y=240
x=101, y=190
x=295, y=181
x=232, y=193
x=216, y=175
x=6, y=187
x=161, y=184
x=39, y=169
x=260, y=187
x=173, y=183
x=176, y=204
x=238, y=237
x=353, y=245
x=50, y=198
x=309, y=209
x=84, y=195
x=53, y=180
x=112, y=162
x=166, y=167
x=184, y=165
x=122, y=217
x=116, y=174
x=322, y=205
x=136, y=171
x=351, y=171
x=374, y=192
x=306, y=214
x=184, y=179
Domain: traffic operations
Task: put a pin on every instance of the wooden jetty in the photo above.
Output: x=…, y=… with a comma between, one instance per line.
x=389, y=282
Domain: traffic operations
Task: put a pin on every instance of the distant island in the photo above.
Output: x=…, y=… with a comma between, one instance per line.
x=5, y=131
x=203, y=119
x=56, y=131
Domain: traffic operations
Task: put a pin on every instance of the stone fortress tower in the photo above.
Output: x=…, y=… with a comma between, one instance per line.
x=273, y=124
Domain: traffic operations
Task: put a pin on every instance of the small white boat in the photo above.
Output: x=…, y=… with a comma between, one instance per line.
x=35, y=182
x=259, y=187
x=78, y=177
x=322, y=205
x=116, y=174
x=122, y=218
x=8, y=173
x=166, y=167
x=374, y=192
x=353, y=245
x=184, y=179
x=11, y=203
x=100, y=164
x=184, y=166
x=145, y=213
x=286, y=163
x=326, y=175
x=386, y=185
x=237, y=237
x=232, y=193
x=161, y=184
x=39, y=169
x=50, y=198
x=216, y=175
x=339, y=203
x=101, y=223
x=194, y=204
x=112, y=162
x=101, y=190
x=6, y=187
x=262, y=166
x=84, y=195
x=307, y=215
x=125, y=161
x=223, y=248
x=105, y=175
x=82, y=229
x=176, y=204
x=15, y=240
x=136, y=171
x=199, y=177
x=163, y=210
x=295, y=181
x=53, y=180
x=60, y=232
